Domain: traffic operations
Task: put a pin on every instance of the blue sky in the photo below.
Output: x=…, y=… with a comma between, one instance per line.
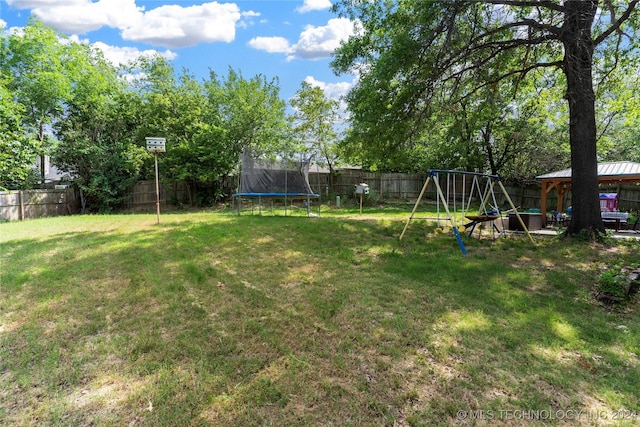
x=289, y=39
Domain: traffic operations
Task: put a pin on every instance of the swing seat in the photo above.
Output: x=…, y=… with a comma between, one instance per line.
x=481, y=218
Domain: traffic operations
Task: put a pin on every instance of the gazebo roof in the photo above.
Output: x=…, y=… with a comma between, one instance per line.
x=614, y=170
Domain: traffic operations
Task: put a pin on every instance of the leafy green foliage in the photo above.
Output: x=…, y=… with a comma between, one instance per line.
x=41, y=79
x=314, y=124
x=97, y=135
x=252, y=112
x=180, y=109
x=612, y=286
x=100, y=118
x=618, y=109
x=206, y=124
x=17, y=150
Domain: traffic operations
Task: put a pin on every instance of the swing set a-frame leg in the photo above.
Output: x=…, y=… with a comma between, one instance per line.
x=454, y=225
x=446, y=208
x=415, y=207
x=524, y=227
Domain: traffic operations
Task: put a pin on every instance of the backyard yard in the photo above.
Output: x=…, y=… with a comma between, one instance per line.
x=214, y=319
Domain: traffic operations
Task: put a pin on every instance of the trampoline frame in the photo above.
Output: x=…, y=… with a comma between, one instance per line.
x=285, y=196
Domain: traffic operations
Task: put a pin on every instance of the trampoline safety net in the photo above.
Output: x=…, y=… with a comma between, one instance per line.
x=276, y=178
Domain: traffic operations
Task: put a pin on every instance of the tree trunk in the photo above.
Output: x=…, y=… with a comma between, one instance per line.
x=578, y=63
x=42, y=158
x=83, y=202
x=331, y=177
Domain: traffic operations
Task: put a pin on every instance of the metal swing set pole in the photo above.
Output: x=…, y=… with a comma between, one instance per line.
x=441, y=197
x=415, y=207
x=454, y=227
x=524, y=227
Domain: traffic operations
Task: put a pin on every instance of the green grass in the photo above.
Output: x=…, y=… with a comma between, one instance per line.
x=214, y=319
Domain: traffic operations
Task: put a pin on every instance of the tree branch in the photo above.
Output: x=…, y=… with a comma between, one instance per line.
x=616, y=25
x=498, y=48
x=513, y=43
x=529, y=3
x=529, y=23
x=609, y=121
x=522, y=71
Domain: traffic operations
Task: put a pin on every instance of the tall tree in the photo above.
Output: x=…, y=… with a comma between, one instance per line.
x=252, y=112
x=190, y=115
x=411, y=52
x=315, y=118
x=38, y=63
x=97, y=133
x=199, y=154
x=17, y=150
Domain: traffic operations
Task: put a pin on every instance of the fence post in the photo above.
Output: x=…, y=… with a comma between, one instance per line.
x=21, y=201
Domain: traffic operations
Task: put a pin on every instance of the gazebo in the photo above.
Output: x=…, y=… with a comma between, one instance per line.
x=608, y=173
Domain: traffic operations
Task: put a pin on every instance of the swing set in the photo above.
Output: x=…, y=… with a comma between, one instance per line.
x=481, y=188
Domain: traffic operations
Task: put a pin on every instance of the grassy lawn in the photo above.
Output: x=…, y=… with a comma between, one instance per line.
x=215, y=319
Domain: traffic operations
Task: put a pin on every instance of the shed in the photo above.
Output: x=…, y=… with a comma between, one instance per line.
x=608, y=173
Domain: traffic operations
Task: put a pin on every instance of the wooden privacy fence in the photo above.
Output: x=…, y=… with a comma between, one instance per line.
x=142, y=195
x=389, y=186
x=383, y=185
x=405, y=186
x=628, y=196
x=31, y=204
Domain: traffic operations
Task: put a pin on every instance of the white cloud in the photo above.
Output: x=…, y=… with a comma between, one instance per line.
x=331, y=90
x=270, y=44
x=311, y=5
x=118, y=55
x=321, y=42
x=81, y=16
x=170, y=26
x=313, y=43
x=248, y=19
x=177, y=26
x=3, y=23
x=123, y=55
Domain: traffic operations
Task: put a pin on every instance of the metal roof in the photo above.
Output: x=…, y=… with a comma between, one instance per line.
x=604, y=169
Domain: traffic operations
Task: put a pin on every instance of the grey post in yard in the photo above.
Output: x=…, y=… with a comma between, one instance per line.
x=155, y=156
x=156, y=145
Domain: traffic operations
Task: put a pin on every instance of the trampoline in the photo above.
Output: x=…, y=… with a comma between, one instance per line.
x=281, y=179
